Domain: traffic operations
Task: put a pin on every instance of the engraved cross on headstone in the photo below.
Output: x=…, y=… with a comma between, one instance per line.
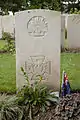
x=38, y=66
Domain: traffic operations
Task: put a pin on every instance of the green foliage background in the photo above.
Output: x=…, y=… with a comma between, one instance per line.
x=16, y=5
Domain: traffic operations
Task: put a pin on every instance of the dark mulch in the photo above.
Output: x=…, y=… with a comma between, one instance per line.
x=67, y=109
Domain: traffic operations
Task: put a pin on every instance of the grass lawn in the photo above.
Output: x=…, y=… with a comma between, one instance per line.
x=7, y=73
x=2, y=43
x=70, y=62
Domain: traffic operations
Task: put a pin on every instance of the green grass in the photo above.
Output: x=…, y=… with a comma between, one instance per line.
x=7, y=73
x=70, y=62
x=2, y=43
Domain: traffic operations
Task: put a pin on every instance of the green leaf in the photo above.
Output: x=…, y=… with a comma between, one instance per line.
x=50, y=98
x=48, y=103
x=22, y=69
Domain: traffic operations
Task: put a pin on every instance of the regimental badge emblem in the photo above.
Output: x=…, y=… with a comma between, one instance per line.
x=37, y=26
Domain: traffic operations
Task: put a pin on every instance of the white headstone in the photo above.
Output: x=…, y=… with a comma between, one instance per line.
x=8, y=24
x=62, y=31
x=73, y=31
x=0, y=27
x=37, y=34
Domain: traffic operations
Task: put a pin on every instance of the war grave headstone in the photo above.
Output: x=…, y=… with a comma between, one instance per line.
x=8, y=24
x=73, y=31
x=38, y=34
x=62, y=30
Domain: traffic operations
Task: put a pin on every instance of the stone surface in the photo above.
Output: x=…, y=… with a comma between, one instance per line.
x=37, y=34
x=62, y=31
x=8, y=24
x=73, y=28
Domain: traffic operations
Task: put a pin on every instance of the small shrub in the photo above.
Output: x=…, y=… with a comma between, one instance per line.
x=35, y=96
x=10, y=43
x=28, y=102
x=9, y=110
x=6, y=35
